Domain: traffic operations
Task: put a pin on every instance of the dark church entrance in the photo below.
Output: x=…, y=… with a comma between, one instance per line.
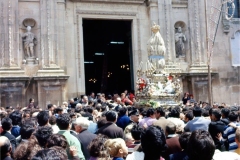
x=107, y=55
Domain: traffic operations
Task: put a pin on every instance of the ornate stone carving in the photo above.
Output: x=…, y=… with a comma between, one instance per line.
x=180, y=38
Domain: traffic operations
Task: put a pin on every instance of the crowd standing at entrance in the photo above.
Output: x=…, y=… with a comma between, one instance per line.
x=115, y=127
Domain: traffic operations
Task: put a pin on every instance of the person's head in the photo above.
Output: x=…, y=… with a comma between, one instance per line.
x=136, y=132
x=50, y=107
x=26, y=114
x=122, y=111
x=59, y=110
x=16, y=117
x=174, y=113
x=97, y=148
x=150, y=113
x=153, y=142
x=123, y=95
x=64, y=121
x=197, y=112
x=216, y=114
x=134, y=115
x=129, y=140
x=29, y=28
x=85, y=99
x=52, y=120
x=57, y=140
x=26, y=130
x=183, y=139
x=5, y=146
x=116, y=147
x=42, y=134
x=233, y=116
x=6, y=124
x=43, y=117
x=81, y=124
x=159, y=112
x=31, y=100
x=171, y=128
x=200, y=146
x=56, y=153
x=188, y=116
x=111, y=116
x=225, y=112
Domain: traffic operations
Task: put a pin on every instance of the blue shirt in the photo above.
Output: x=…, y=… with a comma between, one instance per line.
x=117, y=158
x=123, y=121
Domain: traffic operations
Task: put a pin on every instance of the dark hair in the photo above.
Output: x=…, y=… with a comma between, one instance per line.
x=171, y=128
x=136, y=132
x=90, y=110
x=189, y=115
x=103, y=108
x=153, y=142
x=98, y=108
x=175, y=113
x=57, y=140
x=53, y=153
x=101, y=122
x=97, y=148
x=49, y=106
x=183, y=139
x=52, y=120
x=26, y=130
x=197, y=112
x=72, y=114
x=30, y=100
x=122, y=111
x=16, y=117
x=6, y=124
x=5, y=148
x=43, y=117
x=161, y=111
x=216, y=113
x=150, y=112
x=225, y=112
x=63, y=121
x=200, y=146
x=42, y=134
x=206, y=113
x=233, y=116
x=111, y=116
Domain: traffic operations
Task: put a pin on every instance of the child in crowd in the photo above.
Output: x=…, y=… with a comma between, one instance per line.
x=116, y=148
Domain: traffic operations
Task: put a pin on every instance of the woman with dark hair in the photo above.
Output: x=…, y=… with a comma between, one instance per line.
x=97, y=149
x=57, y=140
x=153, y=143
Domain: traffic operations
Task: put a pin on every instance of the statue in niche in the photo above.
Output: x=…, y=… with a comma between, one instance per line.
x=156, y=49
x=29, y=41
x=180, y=38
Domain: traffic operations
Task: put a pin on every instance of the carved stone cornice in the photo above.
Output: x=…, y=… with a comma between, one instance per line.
x=180, y=4
x=112, y=1
x=106, y=13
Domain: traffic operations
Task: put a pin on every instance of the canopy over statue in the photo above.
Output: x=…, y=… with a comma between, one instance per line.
x=156, y=49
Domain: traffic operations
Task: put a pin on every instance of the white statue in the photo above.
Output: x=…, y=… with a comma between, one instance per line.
x=180, y=38
x=29, y=40
x=156, y=48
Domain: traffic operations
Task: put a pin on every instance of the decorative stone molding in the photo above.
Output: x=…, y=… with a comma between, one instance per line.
x=105, y=13
x=179, y=3
x=112, y=1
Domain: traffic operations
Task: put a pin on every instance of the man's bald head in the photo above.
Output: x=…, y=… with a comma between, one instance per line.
x=5, y=146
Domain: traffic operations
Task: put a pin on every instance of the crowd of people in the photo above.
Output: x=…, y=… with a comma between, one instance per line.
x=117, y=128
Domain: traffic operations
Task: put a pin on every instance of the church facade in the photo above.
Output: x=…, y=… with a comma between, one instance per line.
x=55, y=71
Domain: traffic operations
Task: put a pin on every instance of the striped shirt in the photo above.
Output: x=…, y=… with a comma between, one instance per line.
x=229, y=134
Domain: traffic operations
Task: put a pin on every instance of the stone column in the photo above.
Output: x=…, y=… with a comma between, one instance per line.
x=166, y=27
x=52, y=33
x=9, y=47
x=197, y=24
